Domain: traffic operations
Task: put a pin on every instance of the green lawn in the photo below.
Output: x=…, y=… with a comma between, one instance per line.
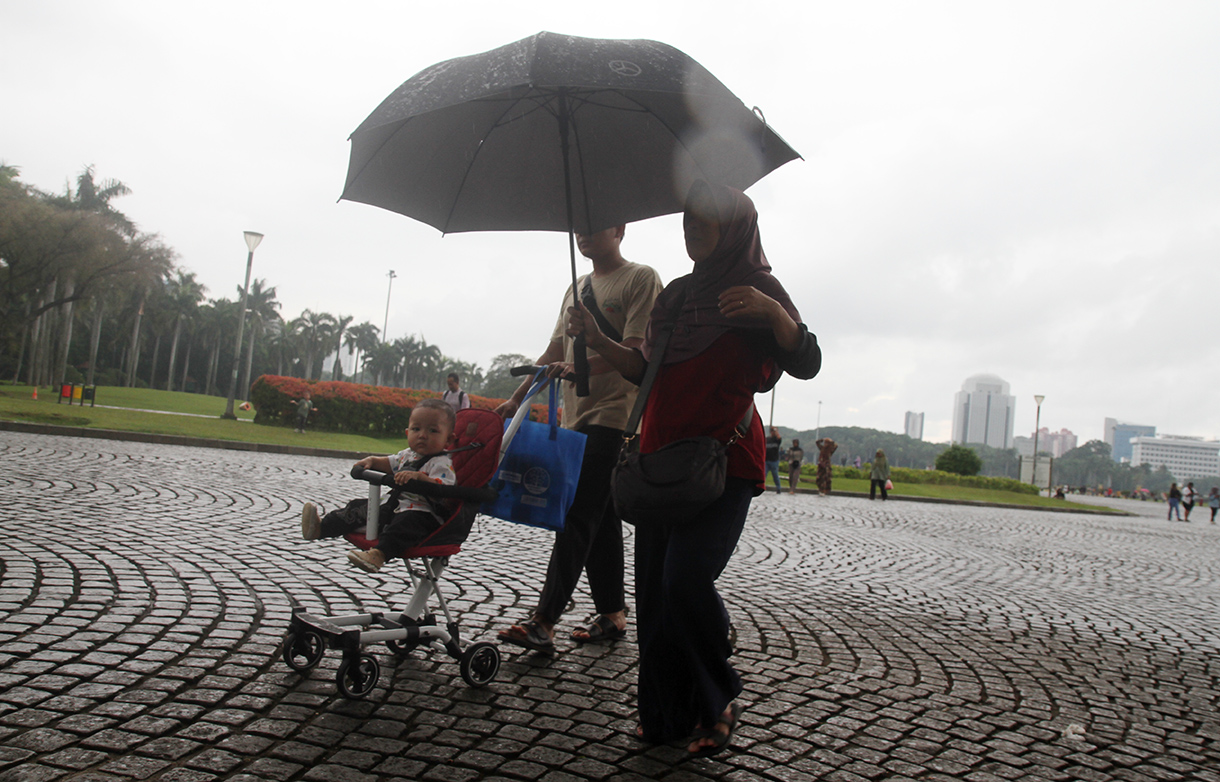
x=16, y=404
x=954, y=493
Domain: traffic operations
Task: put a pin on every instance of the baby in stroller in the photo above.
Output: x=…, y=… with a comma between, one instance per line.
x=430, y=532
x=429, y=433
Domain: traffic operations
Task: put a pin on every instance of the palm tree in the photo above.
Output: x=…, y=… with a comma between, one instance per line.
x=261, y=306
x=315, y=328
x=185, y=294
x=93, y=198
x=405, y=348
x=382, y=360
x=340, y=326
x=360, y=339
x=217, y=317
x=283, y=338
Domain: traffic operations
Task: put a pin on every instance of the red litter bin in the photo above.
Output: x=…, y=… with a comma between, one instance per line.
x=65, y=392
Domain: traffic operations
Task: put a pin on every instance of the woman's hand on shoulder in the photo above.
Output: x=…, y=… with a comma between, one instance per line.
x=746, y=301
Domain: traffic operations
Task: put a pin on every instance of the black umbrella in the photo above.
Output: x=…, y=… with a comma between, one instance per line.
x=556, y=133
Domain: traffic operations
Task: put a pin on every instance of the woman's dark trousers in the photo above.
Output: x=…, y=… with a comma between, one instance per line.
x=873, y=486
x=592, y=536
x=686, y=680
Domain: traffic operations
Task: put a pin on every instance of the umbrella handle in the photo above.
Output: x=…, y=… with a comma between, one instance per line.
x=581, y=360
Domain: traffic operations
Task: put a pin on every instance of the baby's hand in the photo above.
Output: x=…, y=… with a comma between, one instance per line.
x=409, y=475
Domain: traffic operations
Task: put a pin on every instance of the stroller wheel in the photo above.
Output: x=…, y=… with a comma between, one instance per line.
x=303, y=651
x=357, y=677
x=480, y=663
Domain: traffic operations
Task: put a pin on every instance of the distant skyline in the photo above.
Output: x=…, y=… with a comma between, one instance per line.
x=1030, y=191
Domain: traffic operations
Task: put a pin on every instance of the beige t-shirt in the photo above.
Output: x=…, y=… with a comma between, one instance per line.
x=625, y=297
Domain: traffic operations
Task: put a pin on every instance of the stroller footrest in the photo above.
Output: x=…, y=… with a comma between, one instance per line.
x=321, y=624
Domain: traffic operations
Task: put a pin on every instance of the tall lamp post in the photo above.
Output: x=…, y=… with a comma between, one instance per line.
x=252, y=240
x=817, y=429
x=1037, y=424
x=386, y=324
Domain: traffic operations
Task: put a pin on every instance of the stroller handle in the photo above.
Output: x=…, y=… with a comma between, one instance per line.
x=530, y=370
x=427, y=488
x=373, y=476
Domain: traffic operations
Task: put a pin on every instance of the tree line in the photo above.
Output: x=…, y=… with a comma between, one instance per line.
x=1089, y=465
x=86, y=297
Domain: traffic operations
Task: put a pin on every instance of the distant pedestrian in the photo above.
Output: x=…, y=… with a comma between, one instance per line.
x=1188, y=498
x=879, y=475
x=454, y=396
x=795, y=457
x=774, y=444
x=826, y=448
x=304, y=408
x=1213, y=502
x=857, y=462
x=1174, y=497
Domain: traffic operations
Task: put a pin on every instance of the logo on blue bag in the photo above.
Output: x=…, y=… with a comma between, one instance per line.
x=536, y=480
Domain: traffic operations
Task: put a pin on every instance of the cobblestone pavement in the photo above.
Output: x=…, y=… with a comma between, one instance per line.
x=145, y=592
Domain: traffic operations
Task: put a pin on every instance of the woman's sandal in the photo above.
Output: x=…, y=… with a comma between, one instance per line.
x=600, y=630
x=529, y=634
x=721, y=739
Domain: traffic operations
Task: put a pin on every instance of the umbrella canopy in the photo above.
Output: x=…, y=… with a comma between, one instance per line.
x=555, y=132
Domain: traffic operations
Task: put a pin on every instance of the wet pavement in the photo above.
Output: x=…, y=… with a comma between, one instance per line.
x=144, y=593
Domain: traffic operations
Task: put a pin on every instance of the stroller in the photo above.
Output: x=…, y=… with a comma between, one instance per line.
x=475, y=457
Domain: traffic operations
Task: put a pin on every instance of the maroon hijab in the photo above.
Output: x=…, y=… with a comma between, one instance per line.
x=738, y=259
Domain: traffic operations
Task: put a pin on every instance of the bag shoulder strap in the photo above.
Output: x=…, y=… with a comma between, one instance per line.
x=650, y=375
x=590, y=303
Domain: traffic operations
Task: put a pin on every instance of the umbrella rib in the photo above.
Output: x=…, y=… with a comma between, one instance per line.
x=499, y=122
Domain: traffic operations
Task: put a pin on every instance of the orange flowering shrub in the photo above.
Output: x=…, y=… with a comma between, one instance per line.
x=349, y=407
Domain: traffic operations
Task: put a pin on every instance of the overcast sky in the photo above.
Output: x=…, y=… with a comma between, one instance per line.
x=1025, y=189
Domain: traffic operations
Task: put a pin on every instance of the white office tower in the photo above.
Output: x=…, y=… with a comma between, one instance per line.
x=1184, y=457
x=983, y=412
x=914, y=426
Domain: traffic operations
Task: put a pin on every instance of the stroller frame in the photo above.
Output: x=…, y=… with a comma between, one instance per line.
x=310, y=635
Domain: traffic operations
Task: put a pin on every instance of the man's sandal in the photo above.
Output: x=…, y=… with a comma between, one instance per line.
x=600, y=630
x=721, y=739
x=529, y=634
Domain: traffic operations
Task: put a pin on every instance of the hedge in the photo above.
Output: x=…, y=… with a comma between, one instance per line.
x=349, y=407
x=936, y=477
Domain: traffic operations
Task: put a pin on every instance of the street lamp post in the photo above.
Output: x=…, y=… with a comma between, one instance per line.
x=386, y=324
x=252, y=240
x=817, y=429
x=1037, y=424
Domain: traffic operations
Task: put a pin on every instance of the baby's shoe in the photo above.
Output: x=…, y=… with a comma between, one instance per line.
x=369, y=561
x=311, y=525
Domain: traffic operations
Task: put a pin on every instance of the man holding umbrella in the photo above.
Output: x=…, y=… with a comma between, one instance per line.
x=620, y=295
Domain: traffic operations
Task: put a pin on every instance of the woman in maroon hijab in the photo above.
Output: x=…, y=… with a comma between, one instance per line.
x=736, y=330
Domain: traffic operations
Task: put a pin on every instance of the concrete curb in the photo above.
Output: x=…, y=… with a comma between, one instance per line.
x=297, y=450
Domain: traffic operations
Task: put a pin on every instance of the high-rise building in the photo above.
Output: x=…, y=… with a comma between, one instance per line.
x=983, y=412
x=1118, y=435
x=1055, y=443
x=1184, y=457
x=914, y=426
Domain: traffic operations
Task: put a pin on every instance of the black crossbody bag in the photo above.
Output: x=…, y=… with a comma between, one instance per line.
x=673, y=484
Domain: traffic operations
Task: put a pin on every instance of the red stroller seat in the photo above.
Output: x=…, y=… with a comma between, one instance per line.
x=475, y=456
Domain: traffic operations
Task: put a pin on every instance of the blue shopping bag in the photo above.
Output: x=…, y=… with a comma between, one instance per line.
x=540, y=468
